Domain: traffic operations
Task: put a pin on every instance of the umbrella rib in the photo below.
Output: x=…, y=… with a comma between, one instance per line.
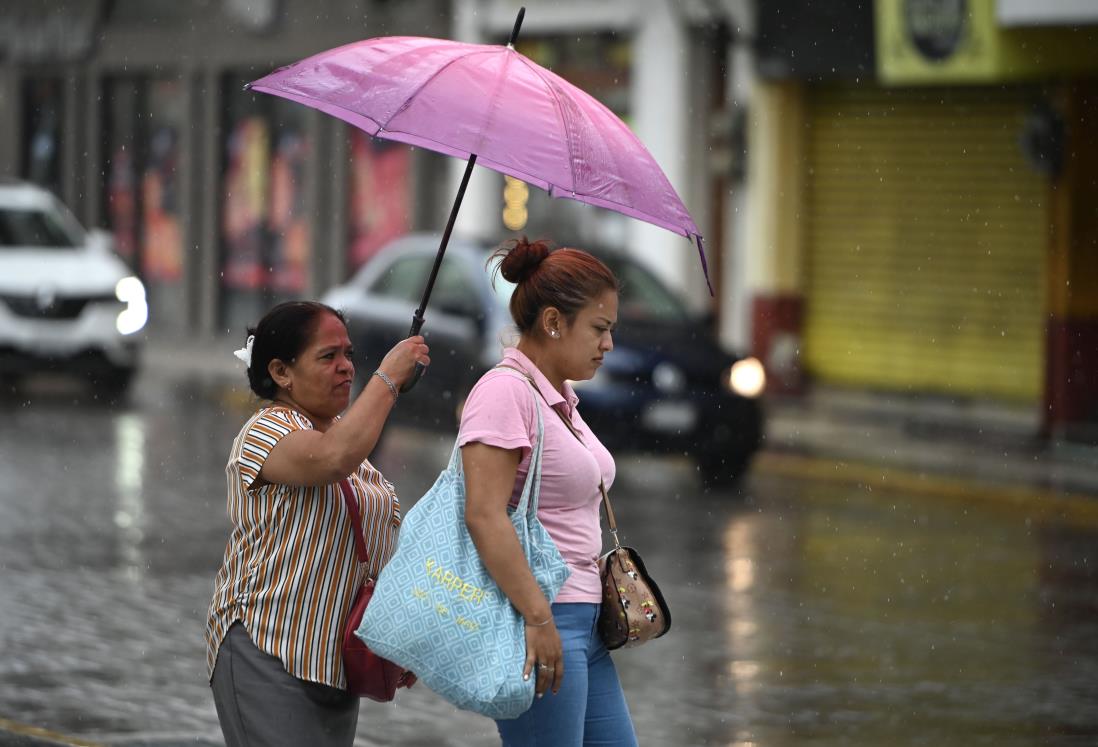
x=563, y=117
x=408, y=100
x=613, y=154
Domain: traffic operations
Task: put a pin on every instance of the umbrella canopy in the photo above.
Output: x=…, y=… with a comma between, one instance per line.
x=492, y=103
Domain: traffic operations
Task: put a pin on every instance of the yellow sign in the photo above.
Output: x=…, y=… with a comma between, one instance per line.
x=960, y=41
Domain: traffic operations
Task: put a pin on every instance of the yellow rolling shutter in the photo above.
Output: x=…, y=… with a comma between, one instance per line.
x=926, y=232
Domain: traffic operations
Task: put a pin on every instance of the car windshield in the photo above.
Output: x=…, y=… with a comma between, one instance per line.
x=35, y=228
x=644, y=298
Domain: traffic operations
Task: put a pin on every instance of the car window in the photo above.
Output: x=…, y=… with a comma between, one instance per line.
x=453, y=291
x=404, y=280
x=34, y=228
x=643, y=296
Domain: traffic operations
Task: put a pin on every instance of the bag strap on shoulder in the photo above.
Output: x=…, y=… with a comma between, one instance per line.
x=531, y=489
x=356, y=519
x=610, y=520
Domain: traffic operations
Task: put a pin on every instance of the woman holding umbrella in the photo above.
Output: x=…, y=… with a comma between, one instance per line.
x=290, y=573
x=565, y=305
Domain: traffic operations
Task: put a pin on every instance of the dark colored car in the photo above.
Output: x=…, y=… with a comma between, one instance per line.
x=667, y=387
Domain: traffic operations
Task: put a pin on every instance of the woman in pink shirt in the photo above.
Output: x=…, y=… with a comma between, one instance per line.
x=565, y=306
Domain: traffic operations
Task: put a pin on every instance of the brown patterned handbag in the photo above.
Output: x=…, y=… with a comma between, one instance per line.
x=633, y=609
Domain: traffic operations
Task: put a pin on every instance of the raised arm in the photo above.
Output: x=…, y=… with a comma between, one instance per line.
x=315, y=457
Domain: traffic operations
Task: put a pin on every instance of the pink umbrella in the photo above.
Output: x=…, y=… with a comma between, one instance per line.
x=493, y=106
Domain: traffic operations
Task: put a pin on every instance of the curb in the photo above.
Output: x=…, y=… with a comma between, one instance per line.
x=1076, y=509
x=24, y=735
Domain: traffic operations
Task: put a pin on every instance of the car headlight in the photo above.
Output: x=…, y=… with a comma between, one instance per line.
x=668, y=378
x=131, y=291
x=746, y=378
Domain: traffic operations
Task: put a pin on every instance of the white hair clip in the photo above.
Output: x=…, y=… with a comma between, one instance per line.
x=245, y=353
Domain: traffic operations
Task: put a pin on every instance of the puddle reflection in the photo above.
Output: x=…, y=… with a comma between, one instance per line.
x=129, y=482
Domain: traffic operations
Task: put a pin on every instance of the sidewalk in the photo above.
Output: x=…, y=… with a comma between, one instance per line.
x=992, y=445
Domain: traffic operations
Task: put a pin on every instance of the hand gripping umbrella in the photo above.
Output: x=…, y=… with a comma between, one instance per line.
x=493, y=106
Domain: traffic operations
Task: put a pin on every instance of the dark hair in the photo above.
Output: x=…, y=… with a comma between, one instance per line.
x=283, y=333
x=565, y=278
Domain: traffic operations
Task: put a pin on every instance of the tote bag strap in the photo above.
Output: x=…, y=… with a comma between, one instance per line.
x=356, y=519
x=602, y=486
x=528, y=501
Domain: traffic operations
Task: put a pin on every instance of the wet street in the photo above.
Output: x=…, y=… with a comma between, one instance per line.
x=804, y=613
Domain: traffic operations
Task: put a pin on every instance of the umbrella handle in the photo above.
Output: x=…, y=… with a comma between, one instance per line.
x=407, y=386
x=416, y=376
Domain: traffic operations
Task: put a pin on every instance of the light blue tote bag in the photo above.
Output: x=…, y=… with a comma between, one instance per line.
x=437, y=612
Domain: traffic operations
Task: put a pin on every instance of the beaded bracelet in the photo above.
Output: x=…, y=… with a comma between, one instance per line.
x=388, y=382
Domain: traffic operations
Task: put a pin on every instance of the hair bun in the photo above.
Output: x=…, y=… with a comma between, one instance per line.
x=522, y=259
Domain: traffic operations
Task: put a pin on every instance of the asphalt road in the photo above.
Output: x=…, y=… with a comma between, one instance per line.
x=804, y=612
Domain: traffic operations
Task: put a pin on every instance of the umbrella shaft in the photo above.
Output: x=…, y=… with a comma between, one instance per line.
x=417, y=318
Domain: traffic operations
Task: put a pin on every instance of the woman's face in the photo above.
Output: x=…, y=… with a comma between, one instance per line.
x=320, y=378
x=584, y=342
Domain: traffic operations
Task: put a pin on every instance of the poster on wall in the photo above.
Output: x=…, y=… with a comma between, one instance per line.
x=287, y=224
x=243, y=218
x=162, y=253
x=379, y=195
x=121, y=203
x=265, y=221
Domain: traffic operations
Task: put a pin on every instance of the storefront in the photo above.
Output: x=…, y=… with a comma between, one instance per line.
x=927, y=217
x=924, y=238
x=224, y=201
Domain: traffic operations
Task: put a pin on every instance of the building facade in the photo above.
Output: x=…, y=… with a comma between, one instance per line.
x=224, y=201
x=921, y=192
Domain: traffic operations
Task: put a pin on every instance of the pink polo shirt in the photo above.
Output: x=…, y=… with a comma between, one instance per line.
x=500, y=412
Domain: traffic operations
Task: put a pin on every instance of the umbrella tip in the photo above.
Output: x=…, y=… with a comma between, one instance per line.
x=518, y=25
x=705, y=265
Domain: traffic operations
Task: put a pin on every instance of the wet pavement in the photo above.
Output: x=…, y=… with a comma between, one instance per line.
x=804, y=612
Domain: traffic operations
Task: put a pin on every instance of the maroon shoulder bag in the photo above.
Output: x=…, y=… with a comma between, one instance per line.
x=368, y=675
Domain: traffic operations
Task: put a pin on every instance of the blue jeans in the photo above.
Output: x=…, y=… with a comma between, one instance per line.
x=590, y=707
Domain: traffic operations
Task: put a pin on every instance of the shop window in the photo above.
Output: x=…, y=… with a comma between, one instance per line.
x=264, y=226
x=43, y=107
x=143, y=121
x=403, y=281
x=380, y=195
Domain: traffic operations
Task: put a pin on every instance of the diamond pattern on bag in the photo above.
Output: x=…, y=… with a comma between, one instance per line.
x=436, y=610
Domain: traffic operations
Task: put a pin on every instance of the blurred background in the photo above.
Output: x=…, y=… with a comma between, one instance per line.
x=898, y=199
x=896, y=196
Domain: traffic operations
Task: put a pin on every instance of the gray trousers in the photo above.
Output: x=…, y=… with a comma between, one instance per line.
x=259, y=704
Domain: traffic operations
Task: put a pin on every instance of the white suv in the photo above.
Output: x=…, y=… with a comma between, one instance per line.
x=67, y=302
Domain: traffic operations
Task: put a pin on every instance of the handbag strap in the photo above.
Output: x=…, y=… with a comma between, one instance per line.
x=356, y=519
x=531, y=489
x=602, y=485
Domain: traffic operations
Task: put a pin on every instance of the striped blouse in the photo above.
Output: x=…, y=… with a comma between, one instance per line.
x=290, y=573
